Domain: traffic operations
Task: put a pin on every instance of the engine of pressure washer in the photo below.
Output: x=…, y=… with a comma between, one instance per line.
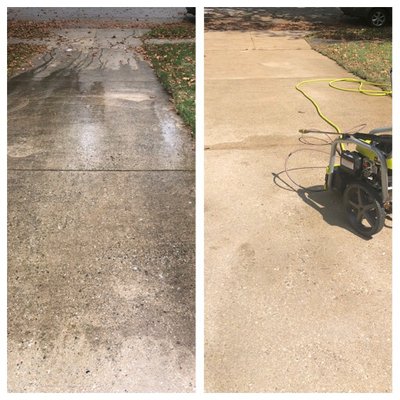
x=360, y=167
x=351, y=162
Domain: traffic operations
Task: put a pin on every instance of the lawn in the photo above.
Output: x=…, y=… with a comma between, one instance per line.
x=363, y=51
x=172, y=31
x=175, y=66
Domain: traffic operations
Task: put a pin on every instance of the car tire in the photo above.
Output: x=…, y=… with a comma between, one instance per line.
x=378, y=17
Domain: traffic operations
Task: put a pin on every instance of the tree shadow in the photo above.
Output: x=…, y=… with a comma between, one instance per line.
x=256, y=18
x=329, y=20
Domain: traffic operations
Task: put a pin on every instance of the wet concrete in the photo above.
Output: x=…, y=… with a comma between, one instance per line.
x=100, y=226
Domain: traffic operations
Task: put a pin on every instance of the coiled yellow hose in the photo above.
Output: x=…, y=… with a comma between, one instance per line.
x=333, y=83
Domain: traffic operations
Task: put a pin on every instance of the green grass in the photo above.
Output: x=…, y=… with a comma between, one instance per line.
x=172, y=31
x=371, y=61
x=363, y=51
x=354, y=33
x=175, y=66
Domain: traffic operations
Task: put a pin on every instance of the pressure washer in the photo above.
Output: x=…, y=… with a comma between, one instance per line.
x=360, y=164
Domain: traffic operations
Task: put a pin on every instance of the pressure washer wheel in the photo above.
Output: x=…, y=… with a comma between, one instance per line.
x=364, y=209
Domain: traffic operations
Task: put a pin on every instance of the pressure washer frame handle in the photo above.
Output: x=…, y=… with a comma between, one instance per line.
x=380, y=130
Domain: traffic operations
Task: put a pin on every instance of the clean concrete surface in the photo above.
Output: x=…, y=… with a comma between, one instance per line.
x=290, y=66
x=101, y=210
x=233, y=40
x=294, y=300
x=254, y=107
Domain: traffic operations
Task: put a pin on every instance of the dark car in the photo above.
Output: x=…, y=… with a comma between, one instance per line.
x=376, y=17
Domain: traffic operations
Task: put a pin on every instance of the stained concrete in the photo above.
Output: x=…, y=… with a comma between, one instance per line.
x=100, y=227
x=116, y=124
x=294, y=300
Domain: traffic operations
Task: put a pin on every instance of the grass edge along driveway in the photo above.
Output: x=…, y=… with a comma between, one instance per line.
x=363, y=51
x=174, y=63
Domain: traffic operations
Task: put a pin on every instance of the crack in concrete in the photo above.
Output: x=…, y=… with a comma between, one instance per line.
x=100, y=58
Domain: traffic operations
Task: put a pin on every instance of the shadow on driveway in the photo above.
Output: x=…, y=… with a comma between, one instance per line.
x=279, y=18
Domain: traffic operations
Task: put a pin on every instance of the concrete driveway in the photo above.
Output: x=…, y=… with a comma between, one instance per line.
x=295, y=301
x=100, y=224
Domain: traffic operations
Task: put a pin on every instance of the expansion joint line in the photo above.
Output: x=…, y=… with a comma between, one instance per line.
x=252, y=40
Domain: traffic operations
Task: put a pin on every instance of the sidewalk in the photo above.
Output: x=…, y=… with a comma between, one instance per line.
x=101, y=224
x=295, y=302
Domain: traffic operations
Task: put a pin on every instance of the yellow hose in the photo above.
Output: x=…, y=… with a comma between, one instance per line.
x=332, y=84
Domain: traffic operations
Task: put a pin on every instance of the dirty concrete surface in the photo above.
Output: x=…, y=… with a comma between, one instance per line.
x=100, y=224
x=294, y=300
